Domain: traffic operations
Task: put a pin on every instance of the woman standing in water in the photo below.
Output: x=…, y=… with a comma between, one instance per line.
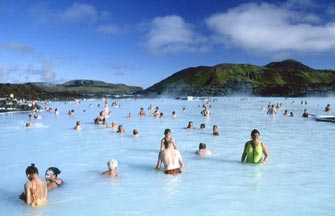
x=254, y=150
x=35, y=191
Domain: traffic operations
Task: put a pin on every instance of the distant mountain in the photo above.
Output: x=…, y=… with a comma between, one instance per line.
x=68, y=90
x=285, y=78
x=92, y=87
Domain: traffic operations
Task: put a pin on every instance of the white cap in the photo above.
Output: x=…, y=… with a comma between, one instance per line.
x=112, y=164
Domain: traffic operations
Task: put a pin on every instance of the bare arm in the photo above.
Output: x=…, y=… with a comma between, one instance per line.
x=181, y=162
x=159, y=161
x=265, y=152
x=244, y=154
x=28, y=194
x=174, y=144
x=162, y=144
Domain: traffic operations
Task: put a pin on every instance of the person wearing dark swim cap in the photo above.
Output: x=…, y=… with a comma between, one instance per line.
x=51, y=175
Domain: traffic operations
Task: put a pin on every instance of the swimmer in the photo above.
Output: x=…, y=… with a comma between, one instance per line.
x=28, y=125
x=171, y=159
x=130, y=116
x=142, y=112
x=167, y=137
x=285, y=112
x=174, y=115
x=161, y=115
x=202, y=150
x=328, y=108
x=135, y=133
x=202, y=126
x=216, y=131
x=112, y=166
x=113, y=125
x=254, y=149
x=291, y=114
x=190, y=125
x=272, y=110
x=156, y=112
x=101, y=119
x=121, y=129
x=205, y=112
x=51, y=176
x=35, y=191
x=305, y=113
x=77, y=127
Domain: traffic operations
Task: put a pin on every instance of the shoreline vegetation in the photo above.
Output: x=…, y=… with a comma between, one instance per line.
x=287, y=78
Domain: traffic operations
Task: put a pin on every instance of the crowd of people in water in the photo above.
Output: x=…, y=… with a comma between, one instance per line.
x=254, y=152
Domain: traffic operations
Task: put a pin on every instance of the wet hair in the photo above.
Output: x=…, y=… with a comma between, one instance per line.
x=55, y=170
x=254, y=131
x=167, y=143
x=31, y=169
x=202, y=146
x=167, y=130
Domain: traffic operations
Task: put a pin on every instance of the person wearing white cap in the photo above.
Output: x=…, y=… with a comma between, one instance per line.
x=112, y=165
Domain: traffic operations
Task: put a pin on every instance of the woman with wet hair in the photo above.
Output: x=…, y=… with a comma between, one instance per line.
x=51, y=176
x=254, y=149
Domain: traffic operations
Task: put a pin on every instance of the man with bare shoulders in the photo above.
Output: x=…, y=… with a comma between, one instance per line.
x=171, y=158
x=35, y=191
x=167, y=137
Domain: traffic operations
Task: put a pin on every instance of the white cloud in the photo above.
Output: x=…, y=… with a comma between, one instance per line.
x=109, y=29
x=79, y=12
x=272, y=29
x=18, y=48
x=171, y=34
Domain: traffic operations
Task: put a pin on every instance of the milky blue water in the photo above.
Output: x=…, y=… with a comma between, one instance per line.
x=297, y=180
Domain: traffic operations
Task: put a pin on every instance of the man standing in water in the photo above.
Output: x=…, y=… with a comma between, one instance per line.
x=171, y=158
x=254, y=150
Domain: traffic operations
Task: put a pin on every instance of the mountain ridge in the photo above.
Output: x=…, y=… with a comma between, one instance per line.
x=283, y=78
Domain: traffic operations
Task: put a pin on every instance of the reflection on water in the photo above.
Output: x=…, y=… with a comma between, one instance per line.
x=171, y=185
x=214, y=185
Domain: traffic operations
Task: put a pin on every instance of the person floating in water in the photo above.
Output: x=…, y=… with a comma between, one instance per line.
x=171, y=158
x=254, y=149
x=35, y=191
x=202, y=150
x=51, y=175
x=112, y=166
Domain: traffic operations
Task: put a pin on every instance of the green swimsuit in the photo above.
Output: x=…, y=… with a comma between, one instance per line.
x=254, y=155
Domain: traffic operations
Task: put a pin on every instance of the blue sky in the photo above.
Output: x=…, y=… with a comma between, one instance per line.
x=142, y=42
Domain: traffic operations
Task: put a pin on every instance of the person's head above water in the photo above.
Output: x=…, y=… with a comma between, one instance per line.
x=202, y=146
x=167, y=131
x=254, y=131
x=52, y=171
x=112, y=164
x=31, y=171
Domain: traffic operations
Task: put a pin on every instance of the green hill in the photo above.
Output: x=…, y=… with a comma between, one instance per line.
x=69, y=90
x=286, y=78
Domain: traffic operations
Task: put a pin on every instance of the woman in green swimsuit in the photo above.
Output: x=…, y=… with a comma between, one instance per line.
x=254, y=150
